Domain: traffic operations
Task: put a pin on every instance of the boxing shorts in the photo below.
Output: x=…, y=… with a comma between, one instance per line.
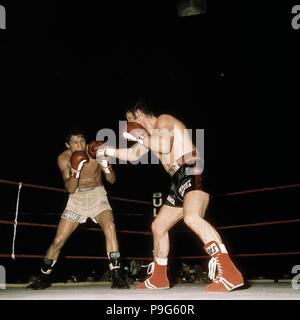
x=186, y=176
x=86, y=202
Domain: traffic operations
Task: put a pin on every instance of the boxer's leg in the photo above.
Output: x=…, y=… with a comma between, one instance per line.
x=194, y=207
x=167, y=217
x=228, y=277
x=106, y=221
x=64, y=230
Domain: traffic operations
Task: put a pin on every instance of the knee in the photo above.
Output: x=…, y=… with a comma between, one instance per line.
x=156, y=228
x=191, y=220
x=58, y=243
x=110, y=229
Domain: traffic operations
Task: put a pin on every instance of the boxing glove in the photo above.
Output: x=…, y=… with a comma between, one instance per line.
x=77, y=160
x=135, y=132
x=105, y=165
x=99, y=149
x=93, y=147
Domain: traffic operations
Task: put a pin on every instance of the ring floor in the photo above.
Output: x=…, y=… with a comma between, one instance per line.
x=182, y=291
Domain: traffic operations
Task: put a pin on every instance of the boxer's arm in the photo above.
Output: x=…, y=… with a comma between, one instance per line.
x=96, y=150
x=127, y=154
x=70, y=182
x=131, y=154
x=162, y=136
x=108, y=170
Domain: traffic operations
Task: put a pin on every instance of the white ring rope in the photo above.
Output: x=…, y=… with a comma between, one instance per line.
x=16, y=222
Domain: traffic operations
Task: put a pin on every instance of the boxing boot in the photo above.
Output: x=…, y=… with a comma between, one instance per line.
x=158, y=276
x=44, y=279
x=223, y=273
x=118, y=280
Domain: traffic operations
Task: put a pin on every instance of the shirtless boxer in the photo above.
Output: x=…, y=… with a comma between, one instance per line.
x=83, y=179
x=166, y=137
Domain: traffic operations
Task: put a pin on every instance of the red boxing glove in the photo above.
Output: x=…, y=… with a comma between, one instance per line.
x=99, y=149
x=93, y=147
x=77, y=160
x=135, y=132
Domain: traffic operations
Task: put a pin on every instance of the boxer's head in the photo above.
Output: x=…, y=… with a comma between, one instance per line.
x=138, y=108
x=75, y=139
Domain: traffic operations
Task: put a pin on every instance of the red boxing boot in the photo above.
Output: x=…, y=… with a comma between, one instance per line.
x=158, y=278
x=228, y=277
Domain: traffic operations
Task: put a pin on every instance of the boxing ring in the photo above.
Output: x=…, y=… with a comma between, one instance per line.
x=276, y=288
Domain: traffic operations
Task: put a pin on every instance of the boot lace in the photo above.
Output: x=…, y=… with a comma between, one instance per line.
x=213, y=266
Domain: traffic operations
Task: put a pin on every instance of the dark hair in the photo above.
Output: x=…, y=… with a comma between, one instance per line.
x=74, y=132
x=142, y=105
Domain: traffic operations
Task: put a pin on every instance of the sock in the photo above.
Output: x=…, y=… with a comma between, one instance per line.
x=161, y=261
x=114, y=260
x=47, y=265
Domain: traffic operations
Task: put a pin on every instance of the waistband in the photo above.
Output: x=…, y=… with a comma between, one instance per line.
x=173, y=169
x=187, y=158
x=85, y=189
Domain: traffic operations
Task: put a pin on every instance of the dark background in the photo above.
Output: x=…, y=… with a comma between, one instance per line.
x=233, y=72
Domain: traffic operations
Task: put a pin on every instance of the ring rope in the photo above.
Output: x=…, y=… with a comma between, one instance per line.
x=20, y=184
x=30, y=185
x=259, y=224
x=288, y=186
x=16, y=222
x=248, y=225
x=261, y=254
x=36, y=186
x=44, y=225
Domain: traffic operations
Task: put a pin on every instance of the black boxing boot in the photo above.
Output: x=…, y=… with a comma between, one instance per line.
x=43, y=280
x=118, y=280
